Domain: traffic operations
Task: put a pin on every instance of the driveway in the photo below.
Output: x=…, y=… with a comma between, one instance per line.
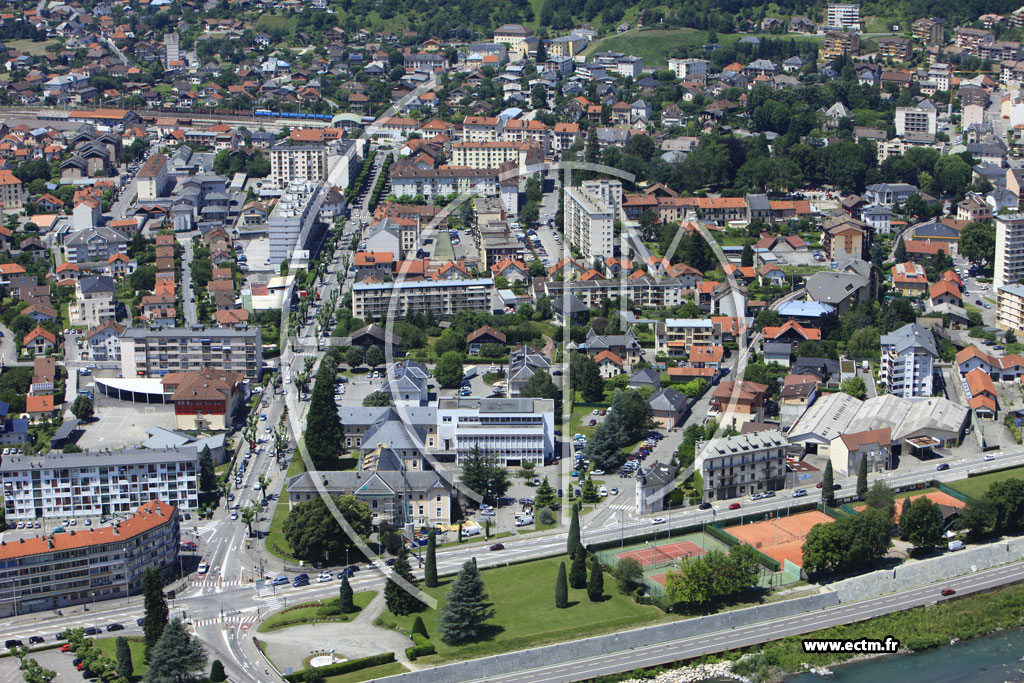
x=288, y=647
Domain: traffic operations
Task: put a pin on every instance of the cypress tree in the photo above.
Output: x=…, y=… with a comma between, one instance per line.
x=430, y=566
x=862, y=478
x=124, y=658
x=595, y=585
x=826, y=486
x=561, y=588
x=419, y=627
x=156, y=612
x=217, y=674
x=574, y=532
x=578, y=569
x=345, y=603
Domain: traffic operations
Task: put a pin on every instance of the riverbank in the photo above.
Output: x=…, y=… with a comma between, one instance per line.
x=917, y=630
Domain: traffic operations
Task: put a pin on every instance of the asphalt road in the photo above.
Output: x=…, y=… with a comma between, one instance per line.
x=760, y=632
x=188, y=302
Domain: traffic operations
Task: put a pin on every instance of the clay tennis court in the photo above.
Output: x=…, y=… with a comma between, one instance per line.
x=937, y=497
x=663, y=553
x=782, y=538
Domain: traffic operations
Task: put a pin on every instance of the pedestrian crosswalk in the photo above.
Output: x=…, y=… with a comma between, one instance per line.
x=242, y=622
x=622, y=506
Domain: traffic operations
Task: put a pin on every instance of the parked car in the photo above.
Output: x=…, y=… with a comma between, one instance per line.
x=704, y=506
x=115, y=627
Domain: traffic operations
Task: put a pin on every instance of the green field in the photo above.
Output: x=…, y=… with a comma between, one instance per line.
x=32, y=47
x=308, y=613
x=655, y=46
x=975, y=487
x=372, y=673
x=108, y=646
x=525, y=614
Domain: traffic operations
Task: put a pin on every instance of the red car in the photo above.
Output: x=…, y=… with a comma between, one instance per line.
x=734, y=506
x=497, y=546
x=948, y=591
x=593, y=422
x=66, y=647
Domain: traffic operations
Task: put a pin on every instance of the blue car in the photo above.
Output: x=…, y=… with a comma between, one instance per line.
x=280, y=580
x=300, y=582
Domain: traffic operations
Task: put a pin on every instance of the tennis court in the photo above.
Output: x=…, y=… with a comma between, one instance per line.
x=665, y=552
x=781, y=538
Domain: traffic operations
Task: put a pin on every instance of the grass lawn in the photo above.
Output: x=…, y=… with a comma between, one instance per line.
x=307, y=612
x=975, y=487
x=525, y=612
x=32, y=47
x=368, y=674
x=655, y=46
x=276, y=542
x=108, y=646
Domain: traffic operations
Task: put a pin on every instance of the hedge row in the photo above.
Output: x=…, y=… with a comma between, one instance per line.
x=344, y=667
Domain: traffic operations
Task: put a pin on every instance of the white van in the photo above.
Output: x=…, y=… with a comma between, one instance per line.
x=471, y=531
x=525, y=520
x=956, y=545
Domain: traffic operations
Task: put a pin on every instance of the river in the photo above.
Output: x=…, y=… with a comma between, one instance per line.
x=993, y=659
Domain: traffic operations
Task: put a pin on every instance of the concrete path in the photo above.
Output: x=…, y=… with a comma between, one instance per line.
x=288, y=647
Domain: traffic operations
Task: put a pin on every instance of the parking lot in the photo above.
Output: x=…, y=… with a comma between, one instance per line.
x=54, y=660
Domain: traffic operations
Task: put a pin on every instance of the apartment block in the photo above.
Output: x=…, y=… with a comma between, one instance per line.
x=95, y=483
x=916, y=121
x=842, y=15
x=157, y=352
x=1009, y=265
x=482, y=128
x=590, y=214
x=100, y=563
x=1010, y=307
x=294, y=223
x=409, y=180
x=690, y=69
x=739, y=465
x=494, y=154
x=12, y=191
x=675, y=336
x=907, y=361
x=644, y=291
x=512, y=431
x=290, y=163
x=840, y=43
x=895, y=47
x=153, y=179
x=443, y=298
x=928, y=30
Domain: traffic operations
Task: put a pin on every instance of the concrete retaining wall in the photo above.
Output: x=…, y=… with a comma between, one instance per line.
x=481, y=669
x=924, y=572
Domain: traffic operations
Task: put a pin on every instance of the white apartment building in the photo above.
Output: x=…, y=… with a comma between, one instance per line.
x=645, y=291
x=842, y=15
x=1010, y=307
x=482, y=128
x=98, y=483
x=907, y=361
x=443, y=298
x=153, y=178
x=739, y=465
x=94, y=301
x=690, y=69
x=512, y=431
x=154, y=352
x=675, y=336
x=494, y=154
x=294, y=223
x=590, y=214
x=916, y=121
x=408, y=180
x=99, y=563
x=1009, y=265
x=291, y=163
